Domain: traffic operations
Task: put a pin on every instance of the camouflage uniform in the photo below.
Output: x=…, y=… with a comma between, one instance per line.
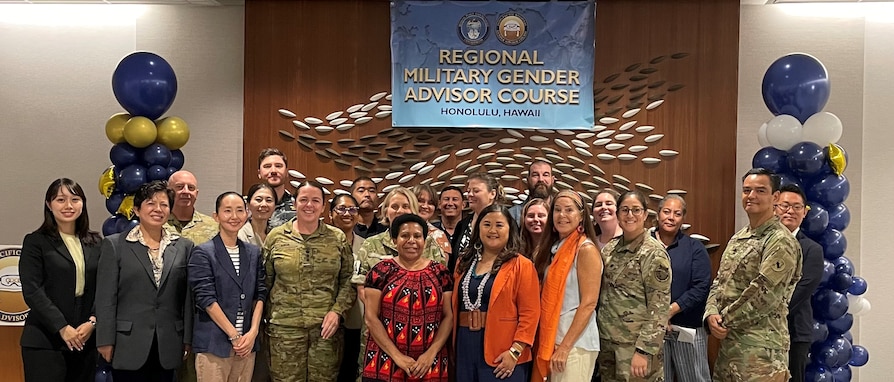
x=634, y=305
x=375, y=249
x=284, y=211
x=758, y=273
x=308, y=276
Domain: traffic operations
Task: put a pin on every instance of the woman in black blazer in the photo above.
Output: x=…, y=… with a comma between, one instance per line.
x=58, y=274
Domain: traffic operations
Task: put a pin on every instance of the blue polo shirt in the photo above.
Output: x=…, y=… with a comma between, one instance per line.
x=691, y=280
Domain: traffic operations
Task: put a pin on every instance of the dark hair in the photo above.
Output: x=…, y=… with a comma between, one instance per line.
x=527, y=239
x=614, y=194
x=636, y=195
x=147, y=190
x=513, y=245
x=407, y=218
x=224, y=195
x=309, y=183
x=82, y=223
x=543, y=255
x=361, y=179
x=775, y=181
x=271, y=151
x=794, y=189
x=257, y=187
x=341, y=196
x=462, y=195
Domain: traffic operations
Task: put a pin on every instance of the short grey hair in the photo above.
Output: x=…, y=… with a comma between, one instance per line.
x=673, y=197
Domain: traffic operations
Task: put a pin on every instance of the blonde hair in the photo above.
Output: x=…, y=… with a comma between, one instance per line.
x=407, y=193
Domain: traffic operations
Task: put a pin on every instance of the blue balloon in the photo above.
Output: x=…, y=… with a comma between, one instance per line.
x=825, y=355
x=819, y=332
x=805, y=159
x=830, y=190
x=834, y=244
x=828, y=271
x=796, y=84
x=841, y=324
x=817, y=373
x=839, y=217
x=829, y=304
x=841, y=282
x=844, y=265
x=770, y=158
x=157, y=172
x=859, y=356
x=125, y=225
x=123, y=155
x=844, y=348
x=788, y=179
x=858, y=287
x=177, y=159
x=848, y=336
x=816, y=221
x=842, y=374
x=131, y=178
x=144, y=84
x=109, y=227
x=157, y=154
x=113, y=202
x=171, y=171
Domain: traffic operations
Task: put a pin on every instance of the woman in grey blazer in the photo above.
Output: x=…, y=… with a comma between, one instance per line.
x=58, y=274
x=229, y=281
x=144, y=308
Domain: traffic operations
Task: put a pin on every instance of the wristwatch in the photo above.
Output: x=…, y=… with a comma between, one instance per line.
x=515, y=352
x=640, y=351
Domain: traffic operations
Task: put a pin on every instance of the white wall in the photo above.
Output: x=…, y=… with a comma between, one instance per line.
x=857, y=53
x=55, y=97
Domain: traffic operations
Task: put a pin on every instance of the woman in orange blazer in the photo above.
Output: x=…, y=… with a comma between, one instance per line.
x=497, y=296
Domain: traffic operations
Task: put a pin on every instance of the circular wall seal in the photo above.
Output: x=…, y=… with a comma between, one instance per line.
x=12, y=305
x=473, y=28
x=512, y=28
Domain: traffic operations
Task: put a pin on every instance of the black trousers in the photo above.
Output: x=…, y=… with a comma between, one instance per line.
x=797, y=360
x=151, y=371
x=350, y=354
x=58, y=365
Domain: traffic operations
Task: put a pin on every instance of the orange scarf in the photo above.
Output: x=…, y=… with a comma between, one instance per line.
x=551, y=304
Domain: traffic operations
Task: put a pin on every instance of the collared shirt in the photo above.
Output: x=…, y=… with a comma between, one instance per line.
x=283, y=212
x=156, y=257
x=691, y=268
x=369, y=231
x=200, y=228
x=758, y=273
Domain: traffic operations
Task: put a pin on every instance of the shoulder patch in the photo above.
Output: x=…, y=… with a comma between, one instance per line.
x=661, y=274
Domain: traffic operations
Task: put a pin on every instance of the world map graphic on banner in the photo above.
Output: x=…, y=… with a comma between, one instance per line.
x=493, y=64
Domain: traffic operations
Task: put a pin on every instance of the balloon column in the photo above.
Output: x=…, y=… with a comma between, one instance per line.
x=145, y=148
x=800, y=144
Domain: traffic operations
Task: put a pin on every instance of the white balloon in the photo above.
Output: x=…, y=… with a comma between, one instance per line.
x=854, y=304
x=865, y=308
x=822, y=128
x=762, y=135
x=784, y=131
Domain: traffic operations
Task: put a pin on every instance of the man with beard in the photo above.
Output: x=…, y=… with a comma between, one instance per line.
x=540, y=185
x=365, y=191
x=272, y=170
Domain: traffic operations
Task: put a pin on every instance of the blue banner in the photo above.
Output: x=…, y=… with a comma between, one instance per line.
x=496, y=64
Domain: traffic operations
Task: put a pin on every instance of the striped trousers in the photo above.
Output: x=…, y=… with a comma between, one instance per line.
x=686, y=362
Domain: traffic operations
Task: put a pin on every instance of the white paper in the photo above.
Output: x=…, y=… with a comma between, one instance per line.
x=682, y=334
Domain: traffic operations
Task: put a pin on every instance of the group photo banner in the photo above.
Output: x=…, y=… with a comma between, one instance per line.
x=492, y=64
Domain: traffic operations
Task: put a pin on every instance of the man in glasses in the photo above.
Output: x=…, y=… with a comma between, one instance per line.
x=792, y=210
x=748, y=302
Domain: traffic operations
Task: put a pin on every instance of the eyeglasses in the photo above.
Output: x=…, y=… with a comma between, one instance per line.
x=795, y=207
x=635, y=211
x=347, y=210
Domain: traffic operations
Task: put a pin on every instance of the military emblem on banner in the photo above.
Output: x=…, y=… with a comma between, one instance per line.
x=512, y=28
x=473, y=28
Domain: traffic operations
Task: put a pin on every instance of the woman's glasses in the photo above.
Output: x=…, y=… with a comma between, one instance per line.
x=635, y=211
x=341, y=210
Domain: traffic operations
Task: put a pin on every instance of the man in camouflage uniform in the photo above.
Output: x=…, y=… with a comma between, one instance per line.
x=748, y=302
x=634, y=308
x=309, y=277
x=194, y=226
x=272, y=170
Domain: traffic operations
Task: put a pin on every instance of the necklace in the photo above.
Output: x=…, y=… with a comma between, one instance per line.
x=467, y=303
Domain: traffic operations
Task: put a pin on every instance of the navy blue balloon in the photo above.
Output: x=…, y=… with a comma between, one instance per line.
x=829, y=304
x=842, y=374
x=858, y=287
x=859, y=356
x=144, y=84
x=157, y=172
x=844, y=265
x=122, y=155
x=817, y=373
x=796, y=84
x=825, y=355
x=841, y=324
x=113, y=202
x=789, y=179
x=157, y=154
x=125, y=225
x=830, y=190
x=177, y=159
x=845, y=350
x=770, y=158
x=109, y=227
x=819, y=332
x=834, y=244
x=805, y=159
x=848, y=336
x=828, y=271
x=841, y=282
x=131, y=178
x=816, y=221
x=171, y=171
x=839, y=217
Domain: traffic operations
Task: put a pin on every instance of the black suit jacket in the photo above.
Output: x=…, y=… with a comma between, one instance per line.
x=47, y=273
x=131, y=311
x=800, y=312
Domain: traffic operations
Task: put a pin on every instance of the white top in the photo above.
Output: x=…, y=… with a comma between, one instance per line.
x=240, y=315
x=73, y=243
x=589, y=338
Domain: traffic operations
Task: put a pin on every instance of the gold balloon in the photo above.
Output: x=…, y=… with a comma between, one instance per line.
x=126, y=207
x=140, y=132
x=837, y=160
x=115, y=127
x=173, y=132
x=107, y=182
